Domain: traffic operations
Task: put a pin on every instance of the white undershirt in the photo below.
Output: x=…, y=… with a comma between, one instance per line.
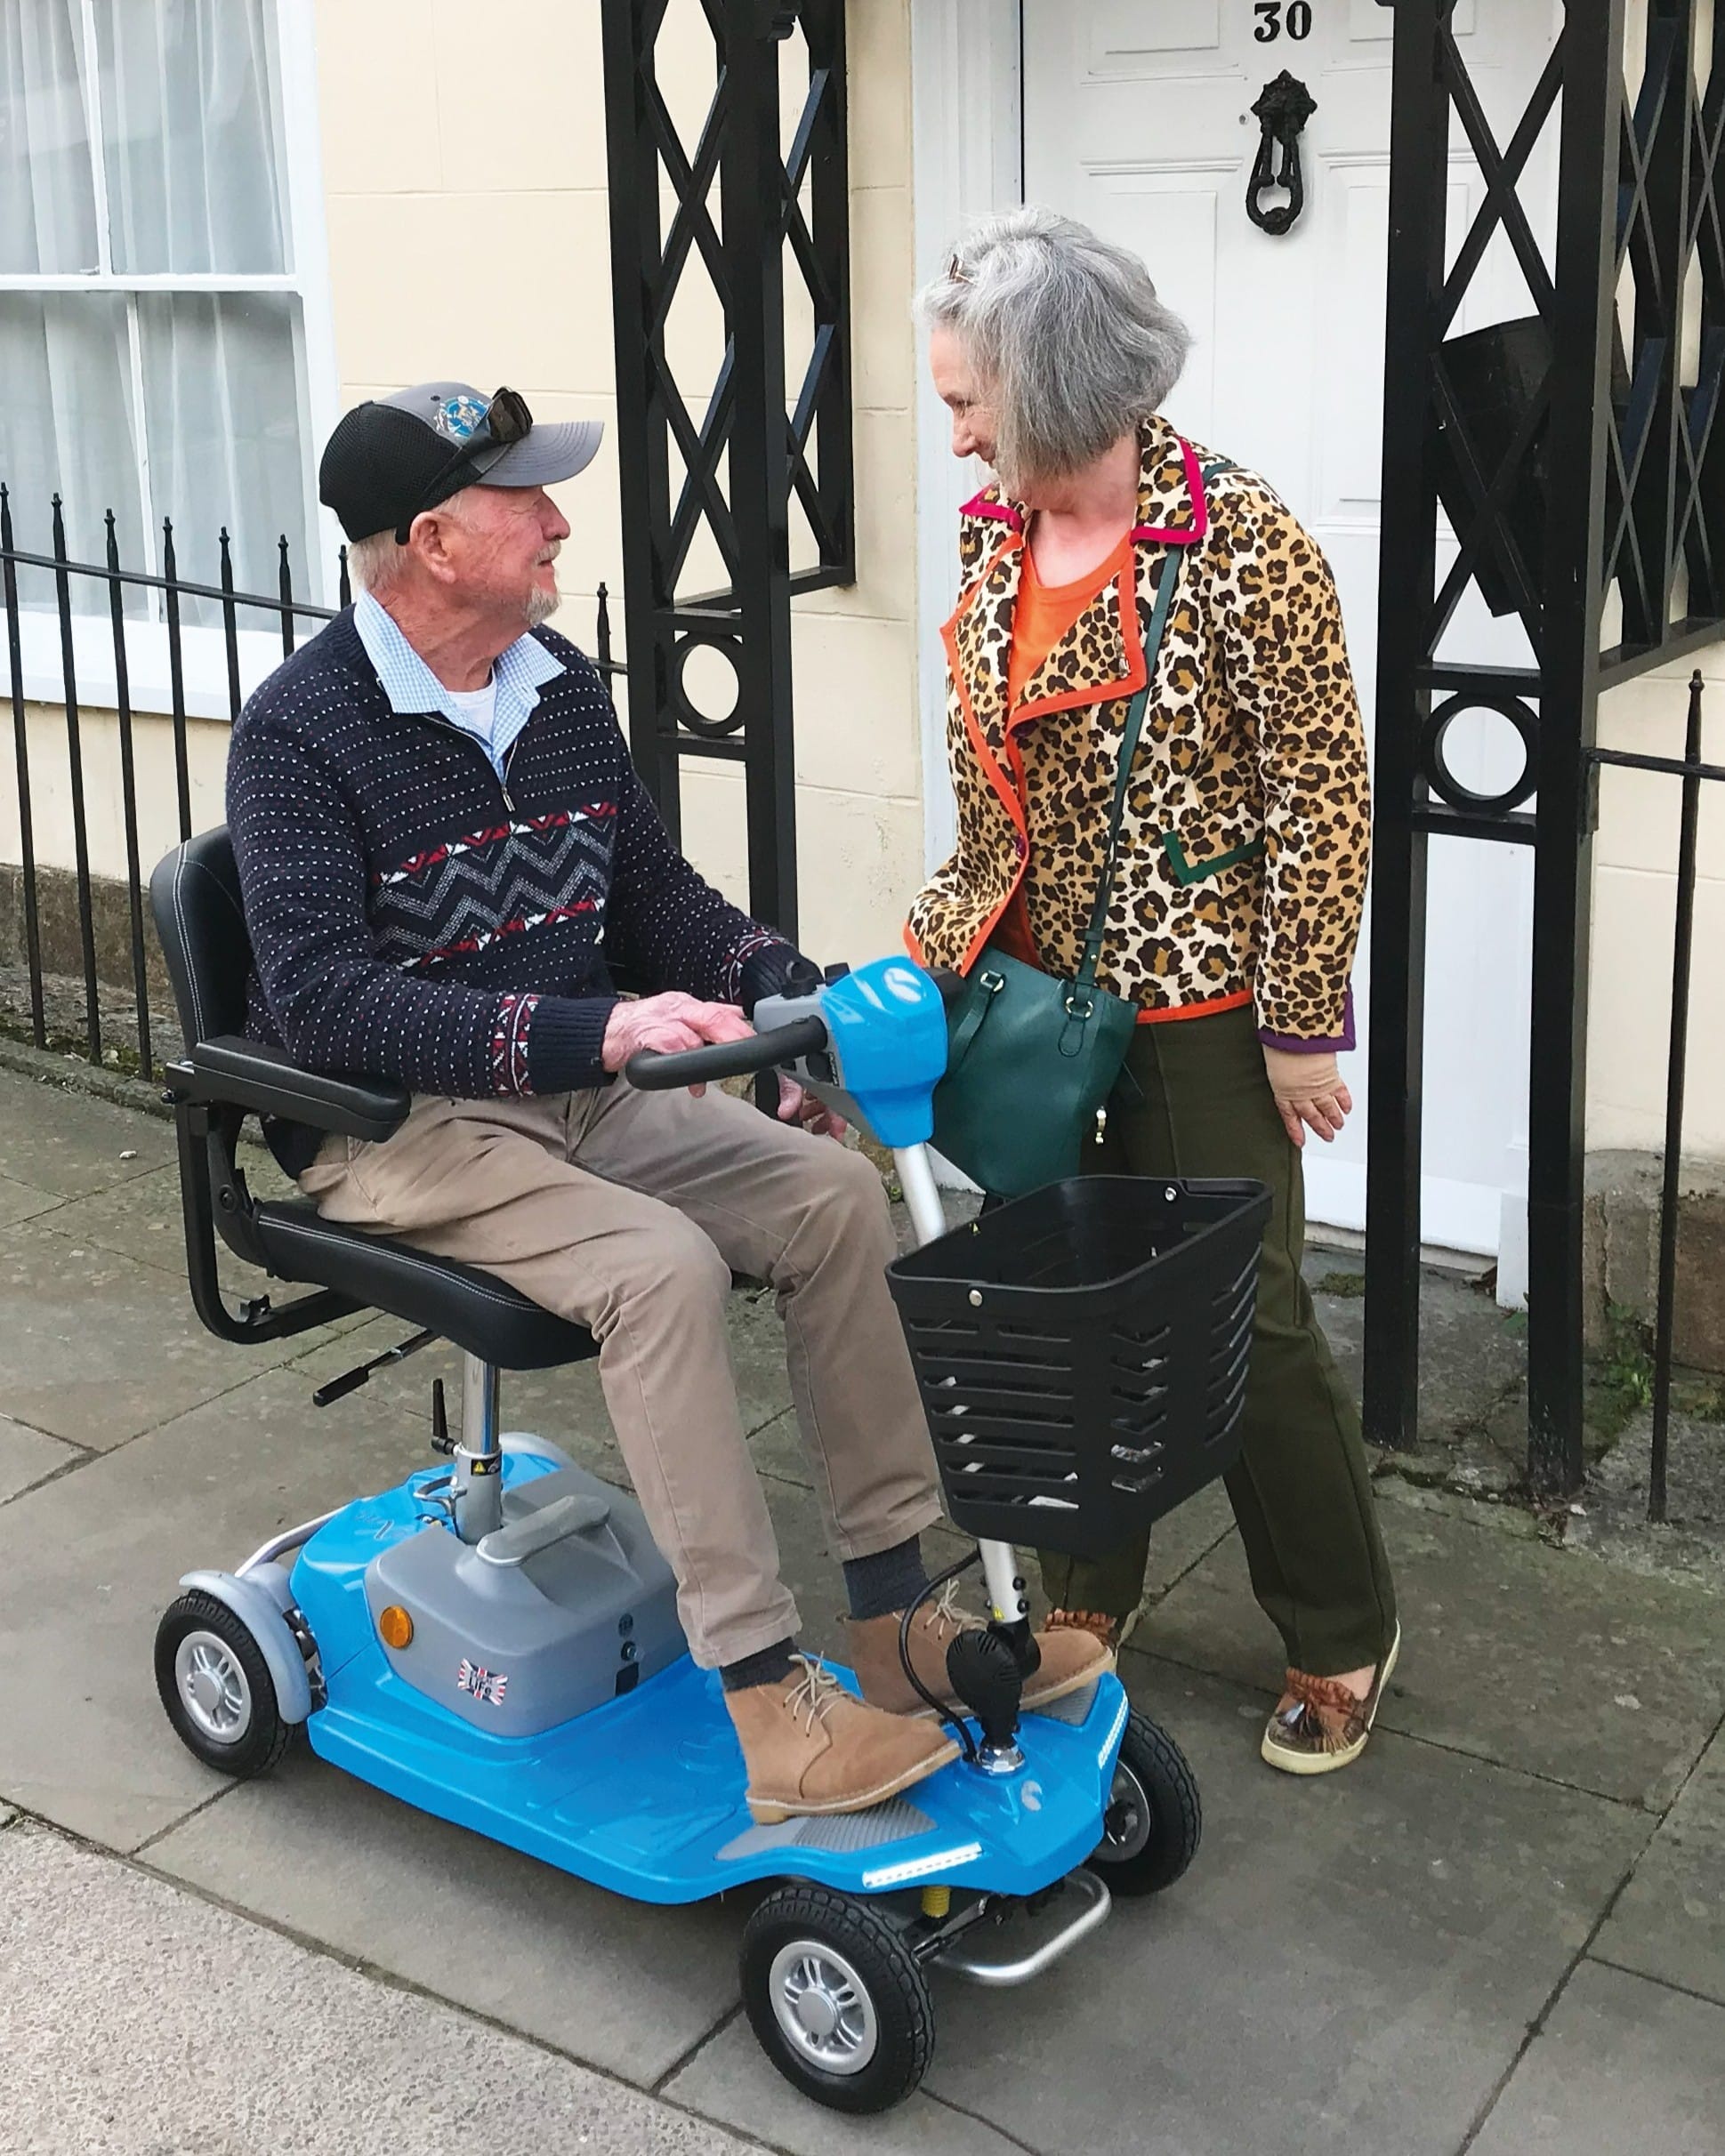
x=476, y=711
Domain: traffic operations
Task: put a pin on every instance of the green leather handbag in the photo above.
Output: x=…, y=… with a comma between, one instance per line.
x=1032, y=1060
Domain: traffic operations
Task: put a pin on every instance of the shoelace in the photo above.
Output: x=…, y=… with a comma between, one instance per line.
x=946, y=1612
x=815, y=1690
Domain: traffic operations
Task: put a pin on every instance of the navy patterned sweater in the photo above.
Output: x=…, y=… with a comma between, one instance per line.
x=414, y=917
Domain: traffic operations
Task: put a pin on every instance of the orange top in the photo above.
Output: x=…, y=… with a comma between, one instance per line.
x=1044, y=613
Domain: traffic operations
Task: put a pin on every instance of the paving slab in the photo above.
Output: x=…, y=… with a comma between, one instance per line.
x=730, y=2080
x=27, y=1456
x=95, y=1348
x=23, y=1201
x=1670, y=1920
x=68, y=1144
x=1351, y=1966
x=89, y=1561
x=142, y=1219
x=1545, y=1659
x=624, y=1987
x=140, y=2021
x=1622, y=2063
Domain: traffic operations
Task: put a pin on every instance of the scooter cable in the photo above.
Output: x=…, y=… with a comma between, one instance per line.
x=955, y=1722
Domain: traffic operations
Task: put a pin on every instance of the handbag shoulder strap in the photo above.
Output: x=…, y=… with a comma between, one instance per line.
x=1085, y=977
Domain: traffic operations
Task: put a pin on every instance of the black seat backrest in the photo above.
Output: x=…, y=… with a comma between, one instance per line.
x=194, y=895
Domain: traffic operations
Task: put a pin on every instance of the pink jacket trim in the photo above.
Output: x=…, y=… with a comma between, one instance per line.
x=1002, y=513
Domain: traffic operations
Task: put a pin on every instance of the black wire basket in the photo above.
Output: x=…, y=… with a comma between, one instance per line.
x=1082, y=1354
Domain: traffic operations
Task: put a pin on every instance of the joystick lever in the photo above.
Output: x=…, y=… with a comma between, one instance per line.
x=986, y=1667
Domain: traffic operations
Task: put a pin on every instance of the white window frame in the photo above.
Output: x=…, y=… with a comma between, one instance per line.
x=203, y=650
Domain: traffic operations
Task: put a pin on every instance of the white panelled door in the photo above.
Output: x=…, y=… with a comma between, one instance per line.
x=1137, y=120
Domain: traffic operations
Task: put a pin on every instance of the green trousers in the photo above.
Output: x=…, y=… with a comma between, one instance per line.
x=1300, y=1489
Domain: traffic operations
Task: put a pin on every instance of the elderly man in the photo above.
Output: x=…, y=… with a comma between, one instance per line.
x=440, y=843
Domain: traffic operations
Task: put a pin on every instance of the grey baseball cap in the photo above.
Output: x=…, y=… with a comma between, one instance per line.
x=387, y=460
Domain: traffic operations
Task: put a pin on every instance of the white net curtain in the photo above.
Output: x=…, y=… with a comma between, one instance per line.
x=150, y=326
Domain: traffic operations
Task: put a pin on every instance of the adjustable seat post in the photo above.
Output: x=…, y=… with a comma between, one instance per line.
x=476, y=1483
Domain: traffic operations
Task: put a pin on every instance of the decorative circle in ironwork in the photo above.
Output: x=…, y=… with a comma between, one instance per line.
x=710, y=725
x=1444, y=782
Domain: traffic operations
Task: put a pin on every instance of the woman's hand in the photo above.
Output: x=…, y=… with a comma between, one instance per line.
x=796, y=1105
x=1308, y=1092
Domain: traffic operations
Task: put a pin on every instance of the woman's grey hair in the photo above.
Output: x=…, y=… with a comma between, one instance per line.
x=1065, y=333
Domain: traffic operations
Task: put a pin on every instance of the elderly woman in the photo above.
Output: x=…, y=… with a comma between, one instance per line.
x=1241, y=873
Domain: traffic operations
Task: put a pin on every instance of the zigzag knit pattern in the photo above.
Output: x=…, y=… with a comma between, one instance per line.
x=414, y=917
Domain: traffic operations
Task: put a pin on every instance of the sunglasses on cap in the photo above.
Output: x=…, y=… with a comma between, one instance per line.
x=506, y=422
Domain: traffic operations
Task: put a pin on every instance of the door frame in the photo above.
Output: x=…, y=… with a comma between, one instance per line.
x=967, y=158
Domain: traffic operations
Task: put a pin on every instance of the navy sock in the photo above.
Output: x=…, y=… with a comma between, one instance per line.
x=891, y=1580
x=769, y=1666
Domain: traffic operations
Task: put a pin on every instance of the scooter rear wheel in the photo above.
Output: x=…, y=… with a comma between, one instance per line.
x=1154, y=1819
x=837, y=1999
x=215, y=1686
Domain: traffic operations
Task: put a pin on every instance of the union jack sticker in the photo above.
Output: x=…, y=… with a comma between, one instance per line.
x=487, y=1684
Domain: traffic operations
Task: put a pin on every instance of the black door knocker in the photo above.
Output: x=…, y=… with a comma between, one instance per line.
x=1283, y=109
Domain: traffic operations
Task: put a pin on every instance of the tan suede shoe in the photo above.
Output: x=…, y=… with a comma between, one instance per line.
x=810, y=1747
x=1069, y=1659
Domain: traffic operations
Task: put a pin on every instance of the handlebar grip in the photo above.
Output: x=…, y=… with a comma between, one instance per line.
x=654, y=1073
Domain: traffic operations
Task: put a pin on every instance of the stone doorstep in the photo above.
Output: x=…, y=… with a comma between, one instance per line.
x=1621, y=1252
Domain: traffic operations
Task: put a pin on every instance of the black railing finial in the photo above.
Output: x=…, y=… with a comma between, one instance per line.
x=284, y=584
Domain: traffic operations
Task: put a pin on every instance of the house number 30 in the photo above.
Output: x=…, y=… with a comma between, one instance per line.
x=1273, y=19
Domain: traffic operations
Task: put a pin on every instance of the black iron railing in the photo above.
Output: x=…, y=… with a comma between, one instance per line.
x=166, y=595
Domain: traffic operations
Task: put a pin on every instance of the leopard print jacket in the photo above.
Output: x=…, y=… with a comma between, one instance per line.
x=1245, y=841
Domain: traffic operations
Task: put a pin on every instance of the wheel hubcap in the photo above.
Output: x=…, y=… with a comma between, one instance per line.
x=212, y=1686
x=823, y=2006
x=1126, y=1824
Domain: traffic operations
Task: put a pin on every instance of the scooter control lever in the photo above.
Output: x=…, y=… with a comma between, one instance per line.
x=983, y=1670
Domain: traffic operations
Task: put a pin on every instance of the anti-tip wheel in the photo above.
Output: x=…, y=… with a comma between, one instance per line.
x=216, y=1688
x=838, y=2002
x=1151, y=1829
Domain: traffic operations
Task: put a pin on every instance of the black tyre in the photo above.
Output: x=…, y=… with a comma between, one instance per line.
x=1154, y=1819
x=837, y=1999
x=216, y=1688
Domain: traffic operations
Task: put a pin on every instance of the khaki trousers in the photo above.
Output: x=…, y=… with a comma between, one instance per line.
x=627, y=1212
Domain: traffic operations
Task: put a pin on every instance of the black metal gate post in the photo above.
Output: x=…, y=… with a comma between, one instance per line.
x=1582, y=322
x=1571, y=458
x=748, y=457
x=1419, y=151
x=752, y=182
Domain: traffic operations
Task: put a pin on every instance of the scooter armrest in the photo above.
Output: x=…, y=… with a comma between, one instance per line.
x=250, y=1074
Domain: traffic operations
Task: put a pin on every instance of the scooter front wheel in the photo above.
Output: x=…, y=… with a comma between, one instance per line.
x=1151, y=1829
x=837, y=1999
x=215, y=1686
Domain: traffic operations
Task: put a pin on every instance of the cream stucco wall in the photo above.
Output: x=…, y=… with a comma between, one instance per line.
x=1634, y=905
x=468, y=237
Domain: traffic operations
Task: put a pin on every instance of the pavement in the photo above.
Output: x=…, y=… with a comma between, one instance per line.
x=1502, y=1932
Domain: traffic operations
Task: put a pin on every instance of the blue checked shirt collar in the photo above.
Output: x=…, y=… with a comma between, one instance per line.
x=520, y=673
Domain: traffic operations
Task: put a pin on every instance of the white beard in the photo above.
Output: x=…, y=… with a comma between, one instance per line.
x=542, y=604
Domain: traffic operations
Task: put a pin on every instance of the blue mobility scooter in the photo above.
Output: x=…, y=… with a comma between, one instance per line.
x=495, y=1639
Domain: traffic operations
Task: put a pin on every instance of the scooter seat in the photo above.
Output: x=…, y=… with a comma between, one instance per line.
x=473, y=1309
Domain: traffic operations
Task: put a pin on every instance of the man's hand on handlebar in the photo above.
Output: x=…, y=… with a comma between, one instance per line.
x=668, y=1025
x=796, y=1105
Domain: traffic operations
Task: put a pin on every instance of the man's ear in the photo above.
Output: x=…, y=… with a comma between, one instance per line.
x=428, y=542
